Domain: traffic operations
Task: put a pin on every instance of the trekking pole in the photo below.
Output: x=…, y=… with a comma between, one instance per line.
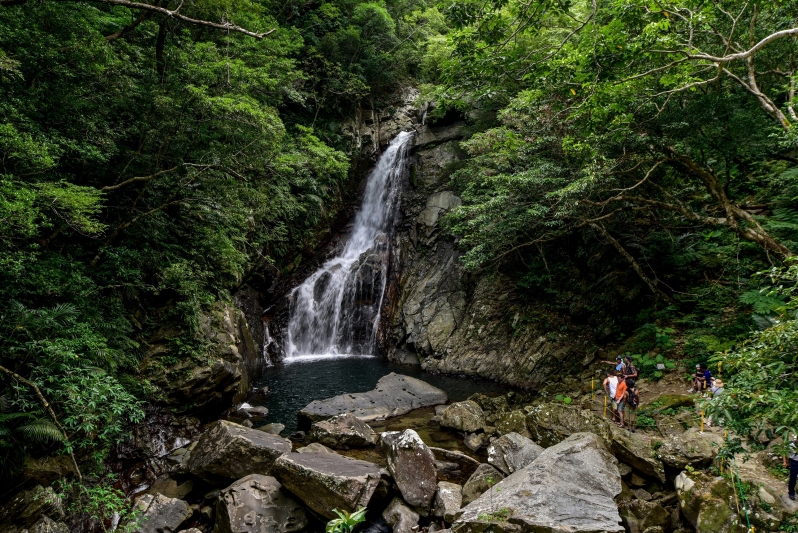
x=605, y=406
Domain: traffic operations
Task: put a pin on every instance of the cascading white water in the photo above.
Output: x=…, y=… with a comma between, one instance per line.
x=336, y=311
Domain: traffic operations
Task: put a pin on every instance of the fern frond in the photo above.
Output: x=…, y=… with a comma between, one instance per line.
x=40, y=431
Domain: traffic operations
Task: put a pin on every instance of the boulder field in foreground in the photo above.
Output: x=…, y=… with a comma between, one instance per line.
x=570, y=487
x=327, y=481
x=393, y=395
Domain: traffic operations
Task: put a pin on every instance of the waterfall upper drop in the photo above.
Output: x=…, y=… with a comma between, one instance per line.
x=336, y=311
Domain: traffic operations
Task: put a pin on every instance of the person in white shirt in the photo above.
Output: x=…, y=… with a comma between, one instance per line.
x=611, y=387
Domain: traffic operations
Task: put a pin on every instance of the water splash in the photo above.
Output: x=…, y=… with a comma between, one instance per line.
x=335, y=312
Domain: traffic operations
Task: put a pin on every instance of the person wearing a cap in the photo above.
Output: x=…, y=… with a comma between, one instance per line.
x=619, y=366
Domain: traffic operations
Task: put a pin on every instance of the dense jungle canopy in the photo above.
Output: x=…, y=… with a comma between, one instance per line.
x=633, y=163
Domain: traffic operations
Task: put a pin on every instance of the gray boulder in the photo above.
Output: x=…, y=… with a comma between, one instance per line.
x=551, y=423
x=464, y=416
x=512, y=452
x=707, y=503
x=448, y=501
x=314, y=447
x=231, y=451
x=393, y=395
x=635, y=449
x=412, y=465
x=400, y=517
x=512, y=422
x=46, y=525
x=474, y=441
x=570, y=487
x=275, y=428
x=638, y=516
x=692, y=448
x=257, y=504
x=483, y=478
x=327, y=481
x=343, y=432
x=160, y=514
x=29, y=506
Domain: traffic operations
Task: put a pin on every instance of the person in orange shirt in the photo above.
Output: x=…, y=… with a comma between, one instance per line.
x=618, y=401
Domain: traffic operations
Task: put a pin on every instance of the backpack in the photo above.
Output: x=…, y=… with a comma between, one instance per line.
x=634, y=398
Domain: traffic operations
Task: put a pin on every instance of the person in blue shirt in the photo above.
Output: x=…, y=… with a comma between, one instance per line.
x=702, y=380
x=619, y=366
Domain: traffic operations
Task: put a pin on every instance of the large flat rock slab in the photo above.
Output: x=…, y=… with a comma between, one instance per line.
x=327, y=481
x=231, y=451
x=394, y=395
x=570, y=488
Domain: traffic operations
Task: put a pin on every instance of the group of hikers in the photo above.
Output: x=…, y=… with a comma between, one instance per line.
x=620, y=387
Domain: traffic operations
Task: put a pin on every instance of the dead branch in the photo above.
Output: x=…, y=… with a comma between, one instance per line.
x=138, y=178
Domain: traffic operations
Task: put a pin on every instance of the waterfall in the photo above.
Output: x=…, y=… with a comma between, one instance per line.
x=336, y=311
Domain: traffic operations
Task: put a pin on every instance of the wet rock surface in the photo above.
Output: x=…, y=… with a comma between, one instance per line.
x=393, y=395
x=258, y=504
x=343, y=432
x=569, y=487
x=327, y=481
x=231, y=451
x=412, y=465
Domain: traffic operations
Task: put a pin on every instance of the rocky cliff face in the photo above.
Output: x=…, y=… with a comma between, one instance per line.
x=443, y=318
x=222, y=375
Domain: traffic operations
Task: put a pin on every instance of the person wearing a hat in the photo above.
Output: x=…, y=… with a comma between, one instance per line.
x=717, y=387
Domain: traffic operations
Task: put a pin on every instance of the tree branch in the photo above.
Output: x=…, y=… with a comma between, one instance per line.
x=226, y=26
x=652, y=284
x=138, y=178
x=49, y=410
x=792, y=32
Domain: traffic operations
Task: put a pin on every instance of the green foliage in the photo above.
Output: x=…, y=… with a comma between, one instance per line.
x=146, y=176
x=564, y=399
x=100, y=501
x=761, y=387
x=346, y=522
x=644, y=421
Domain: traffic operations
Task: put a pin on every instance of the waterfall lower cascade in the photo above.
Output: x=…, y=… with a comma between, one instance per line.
x=336, y=311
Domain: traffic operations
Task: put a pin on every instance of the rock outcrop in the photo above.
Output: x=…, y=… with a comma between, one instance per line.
x=463, y=416
x=707, y=503
x=38, y=505
x=393, y=395
x=343, y=432
x=512, y=452
x=691, y=448
x=570, y=487
x=234, y=361
x=551, y=423
x=231, y=451
x=412, y=465
x=159, y=514
x=327, y=481
x=257, y=504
